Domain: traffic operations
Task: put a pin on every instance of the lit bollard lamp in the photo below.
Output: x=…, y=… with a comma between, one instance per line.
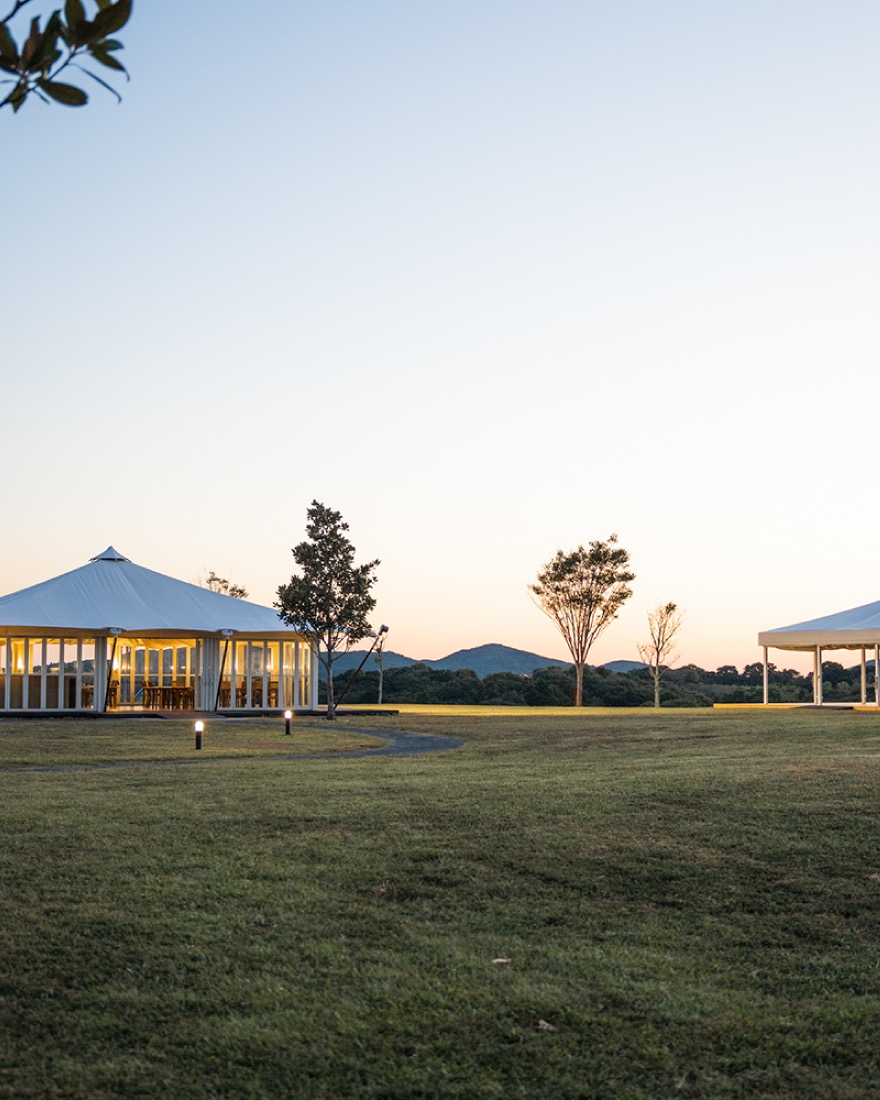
x=199, y=728
x=288, y=714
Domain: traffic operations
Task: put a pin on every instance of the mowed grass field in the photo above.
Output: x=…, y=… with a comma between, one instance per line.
x=594, y=904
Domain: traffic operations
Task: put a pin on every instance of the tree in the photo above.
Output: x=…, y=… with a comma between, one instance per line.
x=664, y=622
x=46, y=52
x=582, y=592
x=225, y=587
x=330, y=597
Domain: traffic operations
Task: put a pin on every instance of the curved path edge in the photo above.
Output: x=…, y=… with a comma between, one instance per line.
x=395, y=744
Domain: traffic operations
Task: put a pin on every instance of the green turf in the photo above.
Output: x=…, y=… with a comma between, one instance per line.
x=33, y=742
x=601, y=904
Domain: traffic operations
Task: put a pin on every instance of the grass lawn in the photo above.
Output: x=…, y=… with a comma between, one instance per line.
x=630, y=904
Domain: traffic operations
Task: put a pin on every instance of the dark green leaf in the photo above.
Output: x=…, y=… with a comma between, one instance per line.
x=111, y=19
x=103, y=83
x=74, y=12
x=99, y=53
x=64, y=93
x=81, y=33
x=33, y=41
x=46, y=51
x=18, y=95
x=8, y=48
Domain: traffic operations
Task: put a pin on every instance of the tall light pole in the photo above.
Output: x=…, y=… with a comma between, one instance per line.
x=383, y=629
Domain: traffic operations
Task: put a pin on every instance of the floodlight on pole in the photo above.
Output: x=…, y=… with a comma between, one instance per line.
x=383, y=629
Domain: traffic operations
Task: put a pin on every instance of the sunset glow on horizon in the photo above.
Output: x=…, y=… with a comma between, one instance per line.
x=490, y=280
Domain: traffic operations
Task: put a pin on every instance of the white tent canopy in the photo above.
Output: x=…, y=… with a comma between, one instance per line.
x=112, y=593
x=112, y=632
x=857, y=628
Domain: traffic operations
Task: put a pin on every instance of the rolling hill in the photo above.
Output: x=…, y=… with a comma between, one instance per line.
x=484, y=660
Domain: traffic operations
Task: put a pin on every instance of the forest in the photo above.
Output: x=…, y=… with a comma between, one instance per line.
x=687, y=686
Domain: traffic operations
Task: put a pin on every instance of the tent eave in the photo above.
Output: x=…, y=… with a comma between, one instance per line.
x=828, y=639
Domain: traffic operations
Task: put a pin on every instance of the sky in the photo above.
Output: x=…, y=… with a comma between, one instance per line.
x=490, y=278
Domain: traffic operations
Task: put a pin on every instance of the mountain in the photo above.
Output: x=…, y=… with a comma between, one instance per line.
x=347, y=661
x=487, y=659
x=484, y=660
x=623, y=666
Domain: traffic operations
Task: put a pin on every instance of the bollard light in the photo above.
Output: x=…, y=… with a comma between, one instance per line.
x=288, y=714
x=199, y=727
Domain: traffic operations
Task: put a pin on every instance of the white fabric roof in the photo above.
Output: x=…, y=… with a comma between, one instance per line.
x=112, y=593
x=851, y=629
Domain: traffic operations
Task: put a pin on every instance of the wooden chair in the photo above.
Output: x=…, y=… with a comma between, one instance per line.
x=148, y=694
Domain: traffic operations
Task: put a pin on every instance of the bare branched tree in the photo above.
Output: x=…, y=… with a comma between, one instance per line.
x=225, y=587
x=582, y=592
x=664, y=623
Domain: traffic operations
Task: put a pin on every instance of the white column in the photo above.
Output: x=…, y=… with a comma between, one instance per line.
x=877, y=675
x=233, y=674
x=817, y=682
x=313, y=682
x=26, y=675
x=77, y=696
x=864, y=678
x=209, y=661
x=816, y=678
x=44, y=660
x=297, y=702
x=100, y=673
x=766, y=680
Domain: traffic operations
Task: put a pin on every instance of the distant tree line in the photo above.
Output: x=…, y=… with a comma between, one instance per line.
x=688, y=686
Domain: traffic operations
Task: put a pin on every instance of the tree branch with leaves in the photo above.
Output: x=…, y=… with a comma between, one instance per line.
x=330, y=597
x=47, y=51
x=582, y=591
x=225, y=587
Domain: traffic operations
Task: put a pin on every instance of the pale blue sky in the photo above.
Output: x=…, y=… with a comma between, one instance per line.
x=490, y=278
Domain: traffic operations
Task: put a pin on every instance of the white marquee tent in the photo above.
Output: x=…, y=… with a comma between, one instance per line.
x=856, y=629
x=114, y=635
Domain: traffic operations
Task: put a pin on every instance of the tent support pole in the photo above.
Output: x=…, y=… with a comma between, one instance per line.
x=877, y=675
x=766, y=680
x=220, y=675
x=817, y=677
x=864, y=678
x=110, y=673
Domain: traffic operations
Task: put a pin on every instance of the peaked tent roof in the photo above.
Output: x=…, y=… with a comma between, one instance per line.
x=851, y=629
x=113, y=594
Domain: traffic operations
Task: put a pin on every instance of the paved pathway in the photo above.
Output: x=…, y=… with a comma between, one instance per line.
x=395, y=744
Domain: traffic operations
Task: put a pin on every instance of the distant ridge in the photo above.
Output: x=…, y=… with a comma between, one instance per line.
x=485, y=660
x=488, y=659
